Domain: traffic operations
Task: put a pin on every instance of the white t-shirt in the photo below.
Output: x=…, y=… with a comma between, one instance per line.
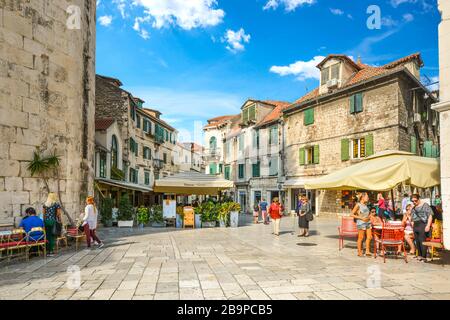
x=90, y=216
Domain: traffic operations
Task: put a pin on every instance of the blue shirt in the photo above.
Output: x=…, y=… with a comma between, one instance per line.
x=263, y=206
x=32, y=222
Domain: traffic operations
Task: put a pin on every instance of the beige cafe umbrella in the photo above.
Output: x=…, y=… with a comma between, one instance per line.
x=192, y=183
x=381, y=172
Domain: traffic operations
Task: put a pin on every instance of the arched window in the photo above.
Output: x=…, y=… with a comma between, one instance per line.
x=114, y=152
x=212, y=144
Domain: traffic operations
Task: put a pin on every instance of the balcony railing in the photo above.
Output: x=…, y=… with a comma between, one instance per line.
x=158, y=163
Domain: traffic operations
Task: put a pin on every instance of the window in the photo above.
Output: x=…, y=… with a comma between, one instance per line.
x=273, y=135
x=147, y=154
x=430, y=150
x=356, y=103
x=132, y=112
x=241, y=142
x=325, y=75
x=167, y=135
x=138, y=121
x=213, y=168
x=249, y=114
x=133, y=175
x=212, y=144
x=221, y=168
x=228, y=172
x=147, y=178
x=308, y=116
x=357, y=148
x=241, y=171
x=256, y=139
x=256, y=169
x=309, y=155
x=165, y=157
x=102, y=165
x=147, y=126
x=335, y=71
x=273, y=166
x=413, y=144
x=228, y=148
x=114, y=152
x=132, y=145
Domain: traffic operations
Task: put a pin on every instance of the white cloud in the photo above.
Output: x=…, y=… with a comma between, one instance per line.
x=337, y=12
x=388, y=21
x=290, y=5
x=185, y=14
x=98, y=2
x=396, y=3
x=408, y=17
x=105, y=20
x=302, y=69
x=121, y=6
x=236, y=40
x=141, y=31
x=424, y=3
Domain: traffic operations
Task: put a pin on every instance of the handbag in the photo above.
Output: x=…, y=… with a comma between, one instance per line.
x=309, y=217
x=57, y=229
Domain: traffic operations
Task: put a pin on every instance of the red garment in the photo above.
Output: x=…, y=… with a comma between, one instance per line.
x=275, y=211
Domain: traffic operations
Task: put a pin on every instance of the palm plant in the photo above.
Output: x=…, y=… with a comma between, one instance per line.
x=43, y=166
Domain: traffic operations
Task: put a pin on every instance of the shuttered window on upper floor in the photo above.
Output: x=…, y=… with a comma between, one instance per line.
x=308, y=116
x=356, y=103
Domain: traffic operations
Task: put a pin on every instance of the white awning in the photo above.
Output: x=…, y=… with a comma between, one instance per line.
x=297, y=182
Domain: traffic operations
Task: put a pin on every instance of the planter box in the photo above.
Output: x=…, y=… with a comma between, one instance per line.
x=208, y=224
x=198, y=221
x=234, y=219
x=158, y=224
x=222, y=223
x=125, y=224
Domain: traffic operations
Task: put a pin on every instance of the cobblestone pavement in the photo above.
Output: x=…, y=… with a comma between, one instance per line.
x=244, y=263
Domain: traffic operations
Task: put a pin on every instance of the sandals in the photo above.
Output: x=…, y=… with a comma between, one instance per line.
x=368, y=254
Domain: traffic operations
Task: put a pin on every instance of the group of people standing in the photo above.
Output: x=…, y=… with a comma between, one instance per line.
x=275, y=212
x=51, y=221
x=417, y=221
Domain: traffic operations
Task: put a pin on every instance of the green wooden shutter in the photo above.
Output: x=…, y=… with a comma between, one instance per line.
x=359, y=102
x=413, y=144
x=227, y=172
x=352, y=104
x=212, y=168
x=316, y=154
x=434, y=153
x=308, y=116
x=252, y=113
x=369, y=145
x=427, y=148
x=302, y=156
x=345, y=149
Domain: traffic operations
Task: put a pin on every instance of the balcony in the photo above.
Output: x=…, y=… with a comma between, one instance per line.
x=158, y=164
x=212, y=155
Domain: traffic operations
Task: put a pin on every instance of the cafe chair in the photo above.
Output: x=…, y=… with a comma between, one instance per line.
x=347, y=229
x=36, y=238
x=436, y=241
x=74, y=233
x=17, y=243
x=391, y=236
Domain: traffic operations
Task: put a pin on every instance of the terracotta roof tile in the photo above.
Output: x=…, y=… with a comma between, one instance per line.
x=404, y=60
x=103, y=123
x=276, y=113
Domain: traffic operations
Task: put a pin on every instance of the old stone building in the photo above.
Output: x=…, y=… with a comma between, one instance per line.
x=189, y=157
x=356, y=111
x=246, y=148
x=47, y=81
x=144, y=147
x=443, y=107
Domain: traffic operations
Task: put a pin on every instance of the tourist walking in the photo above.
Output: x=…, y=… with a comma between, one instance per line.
x=422, y=216
x=303, y=222
x=275, y=212
x=263, y=207
x=52, y=216
x=407, y=223
x=361, y=213
x=255, y=213
x=90, y=223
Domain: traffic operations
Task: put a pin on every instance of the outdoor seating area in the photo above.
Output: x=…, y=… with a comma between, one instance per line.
x=17, y=243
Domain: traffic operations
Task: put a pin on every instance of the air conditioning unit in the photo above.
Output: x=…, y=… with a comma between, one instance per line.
x=417, y=117
x=332, y=83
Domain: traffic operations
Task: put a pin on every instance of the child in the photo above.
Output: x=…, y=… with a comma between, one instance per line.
x=255, y=213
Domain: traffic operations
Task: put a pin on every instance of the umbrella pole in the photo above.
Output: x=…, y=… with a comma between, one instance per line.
x=393, y=201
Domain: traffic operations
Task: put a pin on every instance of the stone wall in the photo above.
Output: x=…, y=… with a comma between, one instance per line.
x=47, y=64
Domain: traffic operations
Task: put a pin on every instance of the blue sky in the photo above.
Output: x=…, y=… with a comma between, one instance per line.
x=196, y=59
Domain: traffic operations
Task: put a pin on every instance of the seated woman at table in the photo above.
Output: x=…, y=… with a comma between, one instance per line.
x=407, y=223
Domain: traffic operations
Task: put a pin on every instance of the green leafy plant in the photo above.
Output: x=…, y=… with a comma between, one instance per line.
x=180, y=211
x=234, y=206
x=44, y=167
x=143, y=216
x=157, y=214
x=223, y=211
x=210, y=211
x=126, y=210
x=106, y=210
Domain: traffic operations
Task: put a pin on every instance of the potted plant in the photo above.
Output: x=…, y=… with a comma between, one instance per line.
x=209, y=214
x=180, y=217
x=142, y=216
x=223, y=214
x=106, y=212
x=198, y=216
x=126, y=212
x=234, y=209
x=157, y=217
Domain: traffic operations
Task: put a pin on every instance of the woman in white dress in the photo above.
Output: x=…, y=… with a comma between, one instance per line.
x=90, y=223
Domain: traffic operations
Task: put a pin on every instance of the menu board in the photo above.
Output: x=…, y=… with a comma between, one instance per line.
x=169, y=209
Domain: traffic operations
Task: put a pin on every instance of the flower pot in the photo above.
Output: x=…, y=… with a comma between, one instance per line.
x=234, y=219
x=158, y=224
x=125, y=224
x=208, y=224
x=198, y=220
x=179, y=221
x=222, y=223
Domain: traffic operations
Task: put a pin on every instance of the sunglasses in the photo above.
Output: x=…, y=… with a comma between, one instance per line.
x=415, y=200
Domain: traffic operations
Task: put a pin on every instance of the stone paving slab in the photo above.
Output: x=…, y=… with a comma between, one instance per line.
x=244, y=263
